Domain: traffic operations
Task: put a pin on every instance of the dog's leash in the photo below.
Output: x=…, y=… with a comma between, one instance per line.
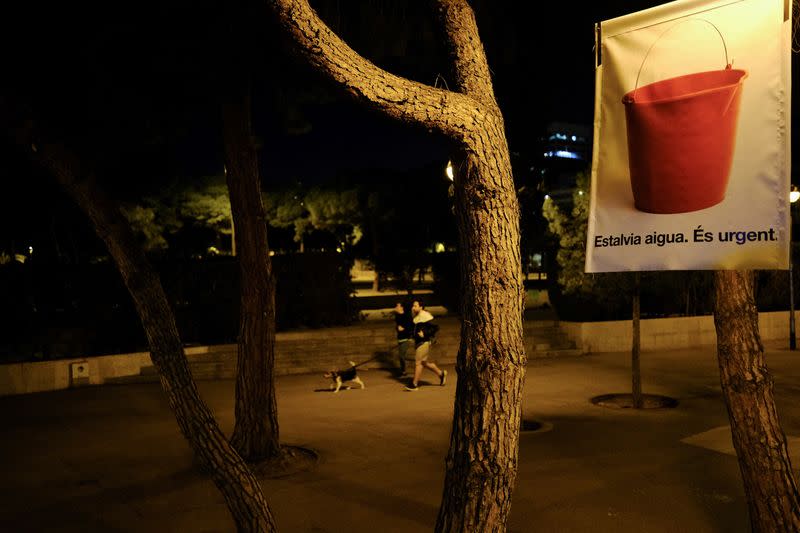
x=375, y=357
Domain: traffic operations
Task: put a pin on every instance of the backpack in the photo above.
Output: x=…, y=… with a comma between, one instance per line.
x=431, y=331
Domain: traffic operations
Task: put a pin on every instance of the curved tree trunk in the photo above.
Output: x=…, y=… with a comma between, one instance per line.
x=482, y=461
x=229, y=472
x=760, y=442
x=255, y=434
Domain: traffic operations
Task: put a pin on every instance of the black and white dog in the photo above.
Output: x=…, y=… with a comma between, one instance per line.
x=340, y=376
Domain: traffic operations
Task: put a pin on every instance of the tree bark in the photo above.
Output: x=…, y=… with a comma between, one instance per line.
x=636, y=350
x=229, y=472
x=255, y=434
x=482, y=460
x=233, y=236
x=376, y=280
x=759, y=440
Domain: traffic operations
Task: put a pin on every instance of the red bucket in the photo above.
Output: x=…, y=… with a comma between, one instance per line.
x=681, y=138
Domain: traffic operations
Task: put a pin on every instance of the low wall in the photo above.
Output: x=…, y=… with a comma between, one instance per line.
x=664, y=333
x=296, y=352
x=308, y=351
x=20, y=378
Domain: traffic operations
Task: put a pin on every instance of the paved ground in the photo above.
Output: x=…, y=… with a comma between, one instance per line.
x=111, y=459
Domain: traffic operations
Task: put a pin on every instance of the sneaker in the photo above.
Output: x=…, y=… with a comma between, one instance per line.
x=443, y=378
x=412, y=388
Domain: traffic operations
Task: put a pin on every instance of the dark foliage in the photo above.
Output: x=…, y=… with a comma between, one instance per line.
x=669, y=294
x=314, y=290
x=446, y=280
x=407, y=214
x=67, y=311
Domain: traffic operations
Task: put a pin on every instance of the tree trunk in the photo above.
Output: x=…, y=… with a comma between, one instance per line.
x=233, y=235
x=482, y=460
x=229, y=472
x=636, y=371
x=770, y=486
x=376, y=280
x=255, y=434
x=484, y=442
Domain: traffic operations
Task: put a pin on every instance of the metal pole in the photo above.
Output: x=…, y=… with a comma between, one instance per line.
x=792, y=336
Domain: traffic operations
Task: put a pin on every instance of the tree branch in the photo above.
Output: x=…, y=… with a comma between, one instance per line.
x=466, y=50
x=452, y=114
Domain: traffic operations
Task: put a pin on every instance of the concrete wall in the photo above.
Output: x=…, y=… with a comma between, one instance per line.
x=296, y=352
x=20, y=378
x=319, y=350
x=664, y=333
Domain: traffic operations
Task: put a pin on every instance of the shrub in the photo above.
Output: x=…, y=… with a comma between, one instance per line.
x=54, y=311
x=447, y=280
x=314, y=290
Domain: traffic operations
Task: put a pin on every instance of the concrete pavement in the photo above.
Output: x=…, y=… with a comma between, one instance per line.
x=111, y=458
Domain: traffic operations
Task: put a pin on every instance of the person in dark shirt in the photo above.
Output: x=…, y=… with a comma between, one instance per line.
x=404, y=328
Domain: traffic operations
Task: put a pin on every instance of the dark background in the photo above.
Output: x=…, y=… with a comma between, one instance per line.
x=135, y=90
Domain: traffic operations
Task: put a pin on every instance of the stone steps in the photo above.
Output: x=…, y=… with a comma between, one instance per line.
x=545, y=338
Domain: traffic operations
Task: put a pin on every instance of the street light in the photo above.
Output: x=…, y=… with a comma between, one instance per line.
x=451, y=190
x=794, y=195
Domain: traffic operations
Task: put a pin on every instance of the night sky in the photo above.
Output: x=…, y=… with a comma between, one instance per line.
x=135, y=89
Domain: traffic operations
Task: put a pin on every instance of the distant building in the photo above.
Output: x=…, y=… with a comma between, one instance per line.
x=566, y=150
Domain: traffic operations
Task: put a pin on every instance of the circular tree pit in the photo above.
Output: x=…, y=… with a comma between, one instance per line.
x=534, y=426
x=292, y=460
x=625, y=401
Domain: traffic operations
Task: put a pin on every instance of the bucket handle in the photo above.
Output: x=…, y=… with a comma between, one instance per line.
x=724, y=46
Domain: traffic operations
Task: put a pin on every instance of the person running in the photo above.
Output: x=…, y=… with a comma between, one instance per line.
x=424, y=332
x=404, y=328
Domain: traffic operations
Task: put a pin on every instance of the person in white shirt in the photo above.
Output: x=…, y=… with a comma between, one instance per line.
x=424, y=332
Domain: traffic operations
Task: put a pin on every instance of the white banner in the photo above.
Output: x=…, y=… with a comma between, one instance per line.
x=690, y=168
